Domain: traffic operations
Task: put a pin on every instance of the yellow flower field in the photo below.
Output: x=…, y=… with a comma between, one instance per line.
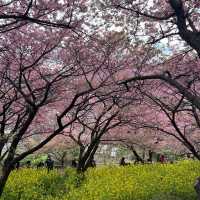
x=134, y=182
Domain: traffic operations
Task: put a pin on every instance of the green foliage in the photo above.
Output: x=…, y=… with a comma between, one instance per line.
x=138, y=182
x=74, y=152
x=35, y=159
x=39, y=158
x=122, y=151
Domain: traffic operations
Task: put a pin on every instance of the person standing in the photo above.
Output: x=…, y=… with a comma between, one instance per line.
x=122, y=162
x=162, y=159
x=49, y=163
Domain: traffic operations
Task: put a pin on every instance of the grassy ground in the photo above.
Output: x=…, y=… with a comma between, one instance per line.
x=139, y=182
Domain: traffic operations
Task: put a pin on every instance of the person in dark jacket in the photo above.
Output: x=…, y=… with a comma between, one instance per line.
x=49, y=163
x=122, y=162
x=40, y=165
x=74, y=163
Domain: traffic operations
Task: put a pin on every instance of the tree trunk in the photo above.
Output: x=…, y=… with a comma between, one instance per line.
x=138, y=158
x=195, y=153
x=4, y=177
x=150, y=159
x=84, y=162
x=62, y=163
x=197, y=187
x=86, y=158
x=81, y=164
x=81, y=160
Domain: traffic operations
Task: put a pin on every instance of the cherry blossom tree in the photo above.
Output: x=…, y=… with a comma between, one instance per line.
x=174, y=25
x=173, y=116
x=47, y=76
x=59, y=71
x=58, y=14
x=100, y=117
x=176, y=22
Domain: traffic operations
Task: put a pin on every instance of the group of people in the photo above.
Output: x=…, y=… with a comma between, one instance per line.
x=161, y=159
x=49, y=164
